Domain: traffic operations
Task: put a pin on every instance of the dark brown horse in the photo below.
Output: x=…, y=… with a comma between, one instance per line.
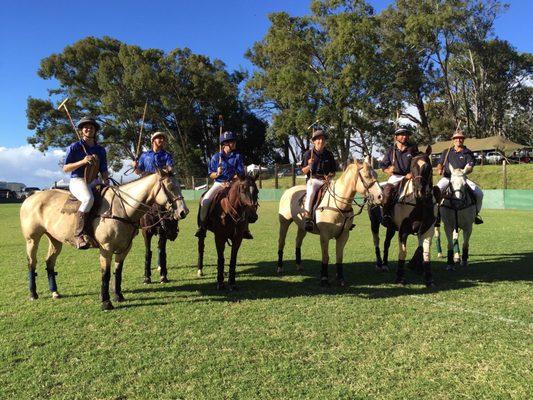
x=414, y=214
x=231, y=211
x=158, y=222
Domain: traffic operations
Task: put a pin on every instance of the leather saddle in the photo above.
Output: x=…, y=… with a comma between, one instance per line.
x=316, y=200
x=72, y=204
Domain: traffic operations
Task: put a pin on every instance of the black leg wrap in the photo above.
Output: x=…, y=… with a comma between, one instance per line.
x=324, y=271
x=32, y=284
x=105, y=285
x=148, y=264
x=428, y=276
x=162, y=261
x=400, y=273
x=298, y=253
x=379, y=261
x=220, y=270
x=280, y=258
x=340, y=271
x=464, y=256
x=52, y=280
x=450, y=257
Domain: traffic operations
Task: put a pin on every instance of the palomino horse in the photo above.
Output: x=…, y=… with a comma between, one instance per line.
x=414, y=214
x=157, y=222
x=334, y=214
x=231, y=210
x=457, y=211
x=115, y=224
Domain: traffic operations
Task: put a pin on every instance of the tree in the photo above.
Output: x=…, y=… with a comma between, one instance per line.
x=185, y=93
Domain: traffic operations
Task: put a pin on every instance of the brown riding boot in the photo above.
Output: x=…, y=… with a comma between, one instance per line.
x=82, y=241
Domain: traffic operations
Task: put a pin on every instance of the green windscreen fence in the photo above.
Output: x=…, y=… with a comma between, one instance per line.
x=493, y=199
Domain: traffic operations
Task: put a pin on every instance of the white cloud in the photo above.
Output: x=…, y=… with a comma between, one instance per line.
x=28, y=165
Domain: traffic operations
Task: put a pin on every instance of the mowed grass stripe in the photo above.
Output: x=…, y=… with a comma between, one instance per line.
x=278, y=337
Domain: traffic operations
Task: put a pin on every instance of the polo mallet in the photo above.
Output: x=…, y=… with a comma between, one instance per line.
x=221, y=126
x=450, y=148
x=313, y=131
x=91, y=172
x=396, y=124
x=141, y=131
x=63, y=105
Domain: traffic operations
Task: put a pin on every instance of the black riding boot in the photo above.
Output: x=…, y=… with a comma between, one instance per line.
x=82, y=241
x=389, y=193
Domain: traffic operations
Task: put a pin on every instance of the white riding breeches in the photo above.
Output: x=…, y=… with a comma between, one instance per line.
x=478, y=194
x=83, y=192
x=394, y=179
x=208, y=198
x=313, y=185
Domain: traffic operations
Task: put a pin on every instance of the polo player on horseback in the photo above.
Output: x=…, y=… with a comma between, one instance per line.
x=156, y=158
x=397, y=165
x=80, y=156
x=319, y=165
x=223, y=168
x=461, y=157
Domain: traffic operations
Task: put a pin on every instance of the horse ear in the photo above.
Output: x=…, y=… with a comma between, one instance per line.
x=428, y=150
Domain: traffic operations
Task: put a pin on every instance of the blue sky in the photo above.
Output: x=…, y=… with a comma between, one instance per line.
x=225, y=29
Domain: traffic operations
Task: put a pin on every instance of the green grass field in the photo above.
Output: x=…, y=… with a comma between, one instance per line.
x=519, y=176
x=278, y=337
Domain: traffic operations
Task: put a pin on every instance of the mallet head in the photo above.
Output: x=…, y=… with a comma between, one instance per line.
x=63, y=103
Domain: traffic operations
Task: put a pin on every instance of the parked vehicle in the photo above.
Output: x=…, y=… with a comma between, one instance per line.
x=494, y=157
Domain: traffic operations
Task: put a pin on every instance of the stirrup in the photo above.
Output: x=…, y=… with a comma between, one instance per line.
x=82, y=242
x=478, y=220
x=247, y=235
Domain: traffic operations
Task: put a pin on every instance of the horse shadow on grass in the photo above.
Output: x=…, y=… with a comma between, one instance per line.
x=258, y=281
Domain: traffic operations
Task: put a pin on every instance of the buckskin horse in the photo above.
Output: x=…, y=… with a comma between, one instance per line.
x=157, y=222
x=414, y=214
x=115, y=223
x=334, y=214
x=457, y=211
x=231, y=210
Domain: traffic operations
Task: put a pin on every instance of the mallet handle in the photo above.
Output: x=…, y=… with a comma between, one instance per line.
x=141, y=131
x=64, y=106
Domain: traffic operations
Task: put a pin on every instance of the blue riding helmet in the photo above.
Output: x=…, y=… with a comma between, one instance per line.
x=227, y=136
x=403, y=130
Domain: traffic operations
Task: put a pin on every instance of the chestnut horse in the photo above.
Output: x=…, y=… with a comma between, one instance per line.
x=115, y=223
x=231, y=211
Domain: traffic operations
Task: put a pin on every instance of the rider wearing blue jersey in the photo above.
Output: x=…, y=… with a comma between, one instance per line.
x=223, y=167
x=156, y=158
x=79, y=155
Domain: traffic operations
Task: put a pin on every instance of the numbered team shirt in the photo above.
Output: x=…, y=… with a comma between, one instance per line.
x=150, y=161
x=457, y=159
x=75, y=153
x=232, y=164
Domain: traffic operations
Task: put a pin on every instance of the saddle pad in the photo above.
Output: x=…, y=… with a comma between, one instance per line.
x=71, y=205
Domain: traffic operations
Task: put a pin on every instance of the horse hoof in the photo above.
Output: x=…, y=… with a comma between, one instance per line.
x=119, y=298
x=450, y=268
x=107, y=305
x=164, y=279
x=199, y=273
x=430, y=284
x=464, y=264
x=279, y=271
x=221, y=286
x=440, y=255
x=299, y=267
x=56, y=295
x=400, y=281
x=383, y=268
x=342, y=283
x=233, y=288
x=34, y=296
x=324, y=283
x=147, y=280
